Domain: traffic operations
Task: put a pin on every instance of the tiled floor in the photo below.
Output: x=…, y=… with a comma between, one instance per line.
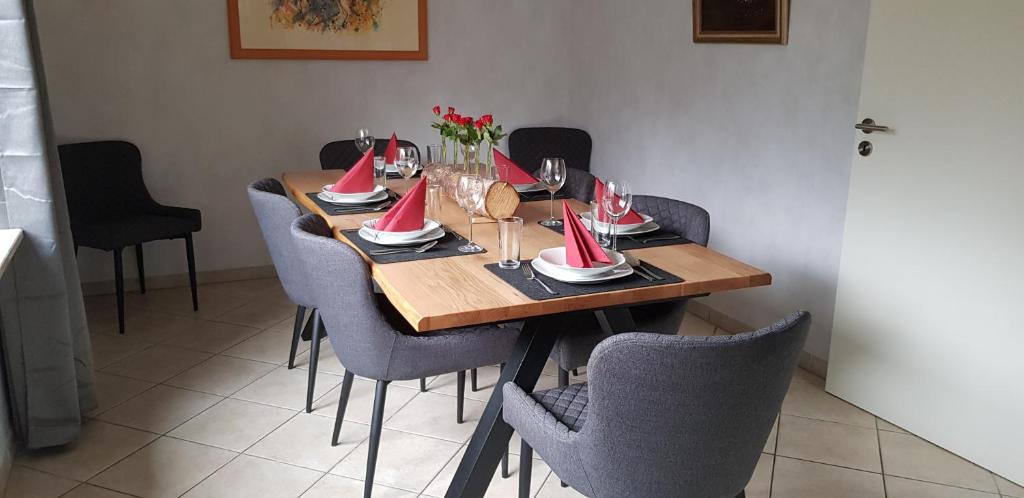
x=202, y=406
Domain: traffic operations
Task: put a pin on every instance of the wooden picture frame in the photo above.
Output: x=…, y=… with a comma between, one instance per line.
x=239, y=52
x=741, y=21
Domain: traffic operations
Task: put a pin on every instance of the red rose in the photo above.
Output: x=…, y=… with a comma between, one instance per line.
x=437, y=110
x=479, y=124
x=487, y=119
x=451, y=110
x=467, y=120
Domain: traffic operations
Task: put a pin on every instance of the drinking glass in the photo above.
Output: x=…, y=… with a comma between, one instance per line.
x=407, y=161
x=434, y=195
x=364, y=140
x=601, y=235
x=510, y=235
x=470, y=195
x=552, y=176
x=616, y=201
x=380, y=172
x=433, y=154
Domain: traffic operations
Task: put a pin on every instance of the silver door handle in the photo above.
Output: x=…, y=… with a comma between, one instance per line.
x=868, y=126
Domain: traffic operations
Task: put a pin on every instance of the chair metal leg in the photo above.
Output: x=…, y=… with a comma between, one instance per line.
x=190, y=253
x=346, y=389
x=142, y=268
x=504, y=464
x=307, y=330
x=375, y=427
x=423, y=384
x=460, y=394
x=563, y=377
x=119, y=286
x=314, y=358
x=472, y=380
x=743, y=494
x=575, y=373
x=525, y=469
x=300, y=315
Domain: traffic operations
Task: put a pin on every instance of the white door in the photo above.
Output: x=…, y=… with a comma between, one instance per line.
x=929, y=322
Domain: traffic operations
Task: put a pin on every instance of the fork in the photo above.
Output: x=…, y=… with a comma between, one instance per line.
x=378, y=207
x=656, y=238
x=641, y=270
x=530, y=276
x=419, y=250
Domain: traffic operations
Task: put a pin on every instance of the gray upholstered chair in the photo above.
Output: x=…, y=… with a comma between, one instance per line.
x=370, y=345
x=697, y=431
x=579, y=184
x=572, y=350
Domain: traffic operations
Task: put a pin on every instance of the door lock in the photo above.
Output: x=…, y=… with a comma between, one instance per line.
x=864, y=148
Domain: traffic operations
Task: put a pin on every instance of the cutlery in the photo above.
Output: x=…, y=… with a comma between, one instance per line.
x=641, y=270
x=649, y=271
x=384, y=205
x=528, y=271
x=419, y=250
x=656, y=238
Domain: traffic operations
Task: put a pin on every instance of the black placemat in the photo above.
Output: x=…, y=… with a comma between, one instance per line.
x=394, y=175
x=338, y=209
x=446, y=247
x=516, y=278
x=636, y=242
x=542, y=195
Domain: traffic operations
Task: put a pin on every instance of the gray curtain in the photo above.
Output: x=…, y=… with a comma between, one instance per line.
x=45, y=338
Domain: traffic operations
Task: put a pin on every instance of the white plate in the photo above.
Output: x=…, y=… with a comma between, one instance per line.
x=379, y=196
x=381, y=237
x=359, y=196
x=427, y=237
x=623, y=228
x=555, y=257
x=529, y=187
x=546, y=269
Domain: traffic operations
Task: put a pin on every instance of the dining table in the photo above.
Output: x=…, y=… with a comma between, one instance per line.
x=460, y=291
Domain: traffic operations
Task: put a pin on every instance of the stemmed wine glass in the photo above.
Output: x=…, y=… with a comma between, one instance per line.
x=470, y=195
x=552, y=176
x=364, y=140
x=616, y=201
x=407, y=161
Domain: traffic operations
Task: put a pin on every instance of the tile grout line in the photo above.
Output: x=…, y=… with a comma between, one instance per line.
x=881, y=461
x=775, y=451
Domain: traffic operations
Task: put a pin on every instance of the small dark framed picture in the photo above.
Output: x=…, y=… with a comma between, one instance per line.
x=741, y=21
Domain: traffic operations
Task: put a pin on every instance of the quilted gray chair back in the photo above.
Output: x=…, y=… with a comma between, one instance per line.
x=579, y=184
x=275, y=213
x=696, y=430
x=343, y=292
x=689, y=220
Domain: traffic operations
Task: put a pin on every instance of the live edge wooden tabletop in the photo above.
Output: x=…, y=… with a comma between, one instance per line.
x=458, y=291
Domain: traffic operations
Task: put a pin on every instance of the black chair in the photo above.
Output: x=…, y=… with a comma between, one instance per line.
x=344, y=153
x=110, y=209
x=527, y=147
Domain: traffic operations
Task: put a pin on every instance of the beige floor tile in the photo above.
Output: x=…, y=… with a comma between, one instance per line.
x=552, y=489
x=801, y=375
x=905, y=455
x=405, y=461
x=332, y=486
x=448, y=384
x=90, y=491
x=286, y=388
x=233, y=424
x=328, y=362
x=108, y=349
x=178, y=301
x=431, y=414
x=305, y=440
x=886, y=426
x=221, y=375
x=24, y=482
x=211, y=337
x=360, y=401
x=807, y=400
x=248, y=476
x=159, y=409
x=166, y=468
x=269, y=346
x=157, y=363
x=261, y=313
x=799, y=479
x=829, y=442
x=112, y=390
x=760, y=484
x=1008, y=488
x=152, y=326
x=98, y=446
x=248, y=289
x=499, y=487
x=695, y=325
x=770, y=444
x=898, y=487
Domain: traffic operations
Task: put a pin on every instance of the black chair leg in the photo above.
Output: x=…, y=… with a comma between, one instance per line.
x=460, y=394
x=504, y=464
x=575, y=373
x=743, y=494
x=423, y=384
x=375, y=427
x=525, y=469
x=563, y=377
x=472, y=380
x=300, y=315
x=142, y=268
x=119, y=286
x=346, y=389
x=314, y=358
x=190, y=253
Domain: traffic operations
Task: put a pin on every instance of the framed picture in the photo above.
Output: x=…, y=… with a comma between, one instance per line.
x=328, y=29
x=741, y=21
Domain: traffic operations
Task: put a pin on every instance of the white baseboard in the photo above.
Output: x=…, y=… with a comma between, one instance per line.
x=181, y=279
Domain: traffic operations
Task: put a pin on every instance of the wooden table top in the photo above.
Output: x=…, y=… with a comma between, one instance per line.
x=458, y=291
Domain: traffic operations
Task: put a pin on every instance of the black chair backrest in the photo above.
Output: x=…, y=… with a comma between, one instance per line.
x=342, y=154
x=103, y=180
x=527, y=147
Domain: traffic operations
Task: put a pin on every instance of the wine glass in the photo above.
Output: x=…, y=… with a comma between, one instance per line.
x=616, y=200
x=407, y=161
x=552, y=176
x=364, y=140
x=470, y=195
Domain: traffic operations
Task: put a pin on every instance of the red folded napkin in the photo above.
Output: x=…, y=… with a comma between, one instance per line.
x=630, y=218
x=581, y=250
x=391, y=153
x=407, y=214
x=515, y=175
x=358, y=178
